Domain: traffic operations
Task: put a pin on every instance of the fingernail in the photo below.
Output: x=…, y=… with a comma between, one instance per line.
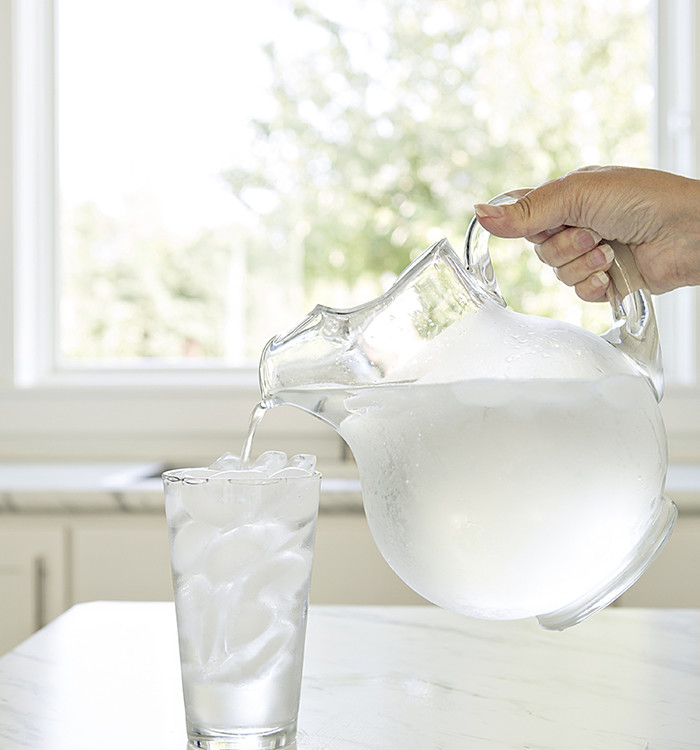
x=487, y=211
x=600, y=256
x=585, y=240
x=600, y=279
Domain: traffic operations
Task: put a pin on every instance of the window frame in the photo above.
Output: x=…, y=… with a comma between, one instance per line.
x=160, y=411
x=677, y=149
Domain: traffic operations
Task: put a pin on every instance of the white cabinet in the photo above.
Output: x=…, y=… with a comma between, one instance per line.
x=672, y=580
x=120, y=557
x=48, y=562
x=348, y=568
x=125, y=557
x=32, y=579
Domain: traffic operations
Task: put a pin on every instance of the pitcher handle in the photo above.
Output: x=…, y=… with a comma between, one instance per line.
x=634, y=331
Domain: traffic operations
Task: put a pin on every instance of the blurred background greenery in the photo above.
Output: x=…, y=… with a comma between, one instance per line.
x=384, y=121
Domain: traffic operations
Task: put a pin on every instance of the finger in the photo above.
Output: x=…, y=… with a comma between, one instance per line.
x=566, y=245
x=541, y=237
x=594, y=288
x=600, y=258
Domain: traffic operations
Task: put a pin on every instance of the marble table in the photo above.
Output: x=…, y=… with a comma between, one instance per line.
x=105, y=675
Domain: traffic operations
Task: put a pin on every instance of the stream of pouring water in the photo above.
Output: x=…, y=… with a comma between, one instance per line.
x=255, y=419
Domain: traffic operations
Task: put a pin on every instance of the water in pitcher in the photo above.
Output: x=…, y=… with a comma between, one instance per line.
x=467, y=485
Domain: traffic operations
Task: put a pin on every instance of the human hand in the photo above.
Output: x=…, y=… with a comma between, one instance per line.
x=656, y=213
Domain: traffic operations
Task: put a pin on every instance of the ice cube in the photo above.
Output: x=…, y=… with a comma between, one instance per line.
x=209, y=501
x=274, y=649
x=189, y=544
x=174, y=509
x=277, y=648
x=242, y=475
x=193, y=596
x=232, y=551
x=304, y=461
x=226, y=462
x=290, y=471
x=270, y=462
x=294, y=502
x=238, y=475
x=245, y=624
x=284, y=576
x=211, y=645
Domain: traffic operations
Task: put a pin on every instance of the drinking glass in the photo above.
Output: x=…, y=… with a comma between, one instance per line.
x=241, y=549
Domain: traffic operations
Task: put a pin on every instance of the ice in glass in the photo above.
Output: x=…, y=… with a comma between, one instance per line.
x=241, y=545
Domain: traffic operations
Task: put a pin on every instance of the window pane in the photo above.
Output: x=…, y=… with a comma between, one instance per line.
x=222, y=170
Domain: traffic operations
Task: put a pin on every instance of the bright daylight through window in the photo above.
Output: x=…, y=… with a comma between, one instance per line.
x=223, y=169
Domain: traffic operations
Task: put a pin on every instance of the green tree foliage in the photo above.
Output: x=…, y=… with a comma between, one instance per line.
x=388, y=119
x=135, y=292
x=381, y=140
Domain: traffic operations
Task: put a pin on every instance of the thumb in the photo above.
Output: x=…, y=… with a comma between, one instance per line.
x=535, y=214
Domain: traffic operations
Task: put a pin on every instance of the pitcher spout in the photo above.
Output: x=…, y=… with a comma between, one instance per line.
x=305, y=356
x=376, y=342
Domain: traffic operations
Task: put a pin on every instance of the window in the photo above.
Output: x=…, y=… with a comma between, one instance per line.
x=197, y=180
x=209, y=208
x=148, y=223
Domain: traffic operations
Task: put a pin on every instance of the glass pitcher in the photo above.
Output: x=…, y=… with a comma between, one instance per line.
x=511, y=466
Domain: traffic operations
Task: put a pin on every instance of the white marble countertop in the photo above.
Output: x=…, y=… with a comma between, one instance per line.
x=47, y=487
x=82, y=487
x=105, y=675
x=68, y=485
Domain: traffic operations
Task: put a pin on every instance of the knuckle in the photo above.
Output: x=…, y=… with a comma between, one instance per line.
x=554, y=250
x=525, y=206
x=563, y=276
